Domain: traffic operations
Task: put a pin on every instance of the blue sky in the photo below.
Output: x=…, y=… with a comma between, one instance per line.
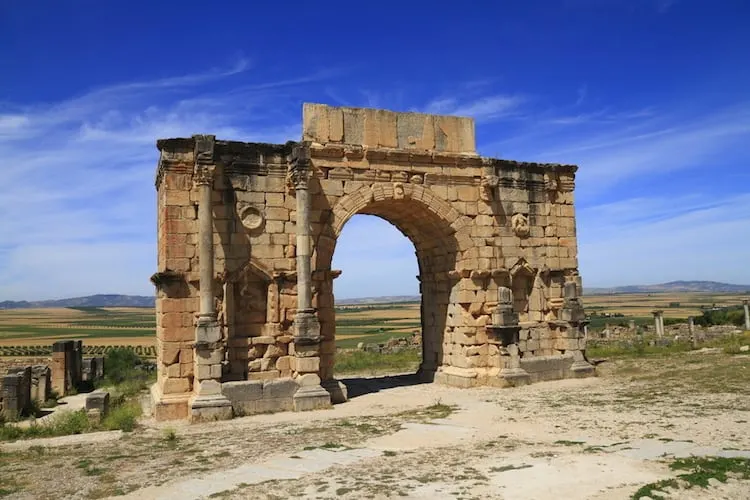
x=650, y=97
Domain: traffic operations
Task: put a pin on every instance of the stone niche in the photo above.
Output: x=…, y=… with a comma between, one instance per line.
x=478, y=225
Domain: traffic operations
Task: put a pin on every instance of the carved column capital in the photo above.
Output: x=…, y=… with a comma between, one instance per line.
x=298, y=176
x=203, y=173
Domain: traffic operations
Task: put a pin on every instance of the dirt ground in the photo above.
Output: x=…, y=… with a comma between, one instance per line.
x=596, y=438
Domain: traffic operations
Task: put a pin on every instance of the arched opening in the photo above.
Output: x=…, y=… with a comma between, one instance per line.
x=380, y=336
x=434, y=243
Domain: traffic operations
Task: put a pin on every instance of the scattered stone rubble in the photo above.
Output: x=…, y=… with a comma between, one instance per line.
x=22, y=385
x=246, y=234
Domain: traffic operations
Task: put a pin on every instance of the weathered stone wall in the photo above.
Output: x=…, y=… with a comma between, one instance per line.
x=477, y=224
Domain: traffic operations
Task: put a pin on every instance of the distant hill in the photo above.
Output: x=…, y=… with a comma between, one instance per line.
x=385, y=299
x=146, y=301
x=673, y=286
x=89, y=301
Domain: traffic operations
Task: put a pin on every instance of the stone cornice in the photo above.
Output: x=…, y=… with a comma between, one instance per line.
x=247, y=158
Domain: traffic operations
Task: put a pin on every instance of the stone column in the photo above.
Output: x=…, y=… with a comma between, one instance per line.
x=306, y=362
x=208, y=402
x=691, y=331
x=659, y=322
x=61, y=357
x=747, y=314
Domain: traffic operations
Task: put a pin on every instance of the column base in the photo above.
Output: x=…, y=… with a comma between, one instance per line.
x=311, y=398
x=582, y=369
x=209, y=408
x=168, y=406
x=515, y=377
x=337, y=390
x=426, y=374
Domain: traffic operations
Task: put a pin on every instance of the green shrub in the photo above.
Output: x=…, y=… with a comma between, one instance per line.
x=123, y=417
x=170, y=435
x=120, y=365
x=69, y=422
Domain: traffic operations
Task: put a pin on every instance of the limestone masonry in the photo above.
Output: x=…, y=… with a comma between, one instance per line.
x=247, y=232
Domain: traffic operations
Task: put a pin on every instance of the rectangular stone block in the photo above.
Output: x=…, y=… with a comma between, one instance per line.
x=97, y=403
x=387, y=129
x=243, y=391
x=306, y=365
x=279, y=388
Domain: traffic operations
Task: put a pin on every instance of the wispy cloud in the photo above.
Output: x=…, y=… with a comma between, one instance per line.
x=674, y=238
x=662, y=6
x=79, y=176
x=482, y=109
x=79, y=173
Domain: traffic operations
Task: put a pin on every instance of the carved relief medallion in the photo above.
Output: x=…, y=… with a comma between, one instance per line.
x=520, y=225
x=398, y=191
x=251, y=217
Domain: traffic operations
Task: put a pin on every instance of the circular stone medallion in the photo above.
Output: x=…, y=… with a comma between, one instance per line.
x=251, y=217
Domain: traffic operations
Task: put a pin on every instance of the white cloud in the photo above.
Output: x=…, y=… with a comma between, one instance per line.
x=654, y=240
x=78, y=180
x=78, y=175
x=482, y=109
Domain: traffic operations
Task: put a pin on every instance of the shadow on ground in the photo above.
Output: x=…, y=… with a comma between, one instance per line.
x=359, y=386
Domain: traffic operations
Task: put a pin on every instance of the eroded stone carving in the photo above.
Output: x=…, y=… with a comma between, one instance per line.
x=520, y=225
x=251, y=217
x=488, y=186
x=398, y=191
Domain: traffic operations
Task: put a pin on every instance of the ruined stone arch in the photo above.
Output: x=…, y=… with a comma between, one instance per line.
x=267, y=223
x=436, y=230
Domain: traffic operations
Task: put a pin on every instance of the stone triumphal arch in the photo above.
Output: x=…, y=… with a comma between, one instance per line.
x=247, y=231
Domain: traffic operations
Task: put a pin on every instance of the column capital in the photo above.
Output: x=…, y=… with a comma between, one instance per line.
x=298, y=176
x=203, y=175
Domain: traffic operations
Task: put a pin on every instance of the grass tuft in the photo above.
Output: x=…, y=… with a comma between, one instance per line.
x=698, y=472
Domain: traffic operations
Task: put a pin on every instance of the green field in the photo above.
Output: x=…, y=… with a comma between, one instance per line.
x=372, y=323
x=136, y=326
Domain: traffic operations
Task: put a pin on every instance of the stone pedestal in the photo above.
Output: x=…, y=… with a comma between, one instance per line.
x=12, y=395
x=746, y=306
x=580, y=367
x=97, y=405
x=311, y=398
x=208, y=403
x=337, y=390
x=512, y=373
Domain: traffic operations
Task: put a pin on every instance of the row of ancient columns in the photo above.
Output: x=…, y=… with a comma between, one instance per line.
x=659, y=320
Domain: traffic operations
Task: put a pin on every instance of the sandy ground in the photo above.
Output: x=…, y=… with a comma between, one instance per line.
x=598, y=438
